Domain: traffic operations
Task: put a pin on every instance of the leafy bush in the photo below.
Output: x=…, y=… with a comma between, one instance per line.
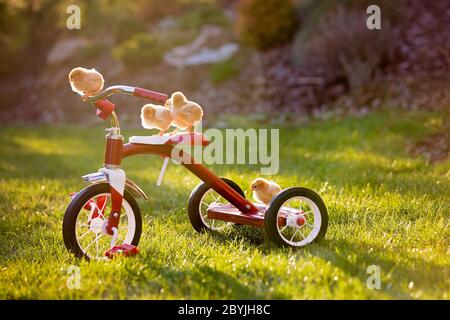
x=142, y=49
x=146, y=49
x=27, y=30
x=223, y=71
x=208, y=14
x=266, y=23
x=344, y=47
x=126, y=27
x=92, y=51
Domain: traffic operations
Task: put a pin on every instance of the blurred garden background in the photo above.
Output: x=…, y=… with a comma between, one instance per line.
x=279, y=60
x=363, y=118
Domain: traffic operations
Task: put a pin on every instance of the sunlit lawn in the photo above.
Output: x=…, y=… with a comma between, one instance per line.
x=386, y=209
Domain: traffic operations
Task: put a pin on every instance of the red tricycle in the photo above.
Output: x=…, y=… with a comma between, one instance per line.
x=104, y=219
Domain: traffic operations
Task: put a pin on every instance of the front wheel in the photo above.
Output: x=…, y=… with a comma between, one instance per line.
x=296, y=217
x=86, y=215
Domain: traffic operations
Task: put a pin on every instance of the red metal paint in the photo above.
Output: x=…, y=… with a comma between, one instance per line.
x=131, y=149
x=113, y=151
x=124, y=250
x=281, y=221
x=116, y=206
x=150, y=95
x=301, y=221
x=104, y=108
x=229, y=213
x=99, y=207
x=189, y=139
x=244, y=205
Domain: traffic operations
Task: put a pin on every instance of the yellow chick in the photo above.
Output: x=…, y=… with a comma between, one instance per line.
x=87, y=82
x=185, y=113
x=156, y=117
x=264, y=190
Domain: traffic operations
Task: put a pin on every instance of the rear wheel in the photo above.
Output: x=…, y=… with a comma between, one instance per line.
x=203, y=196
x=296, y=217
x=86, y=215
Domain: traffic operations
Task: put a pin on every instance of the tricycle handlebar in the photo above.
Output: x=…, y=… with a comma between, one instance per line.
x=137, y=92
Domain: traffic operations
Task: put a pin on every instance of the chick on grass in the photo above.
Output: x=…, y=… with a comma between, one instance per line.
x=185, y=113
x=156, y=117
x=86, y=82
x=264, y=190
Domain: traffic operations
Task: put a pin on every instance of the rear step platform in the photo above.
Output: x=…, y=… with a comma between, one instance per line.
x=229, y=213
x=124, y=250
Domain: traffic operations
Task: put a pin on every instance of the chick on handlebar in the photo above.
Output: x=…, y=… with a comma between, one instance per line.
x=89, y=84
x=177, y=111
x=86, y=82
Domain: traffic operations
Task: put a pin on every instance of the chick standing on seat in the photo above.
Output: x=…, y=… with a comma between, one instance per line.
x=185, y=113
x=264, y=190
x=156, y=117
x=86, y=82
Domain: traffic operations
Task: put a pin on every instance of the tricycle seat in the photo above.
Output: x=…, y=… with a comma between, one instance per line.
x=183, y=138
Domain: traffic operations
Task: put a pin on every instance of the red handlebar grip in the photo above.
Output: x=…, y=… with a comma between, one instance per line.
x=104, y=108
x=150, y=95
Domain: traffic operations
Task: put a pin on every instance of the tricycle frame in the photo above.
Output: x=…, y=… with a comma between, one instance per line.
x=274, y=217
x=116, y=150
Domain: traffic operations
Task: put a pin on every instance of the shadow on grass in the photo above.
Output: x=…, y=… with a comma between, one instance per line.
x=206, y=279
x=398, y=267
x=396, y=272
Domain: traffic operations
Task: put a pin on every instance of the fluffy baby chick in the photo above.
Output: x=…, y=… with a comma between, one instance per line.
x=87, y=82
x=185, y=113
x=156, y=117
x=264, y=190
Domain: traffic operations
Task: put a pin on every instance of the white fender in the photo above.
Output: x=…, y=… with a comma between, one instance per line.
x=130, y=186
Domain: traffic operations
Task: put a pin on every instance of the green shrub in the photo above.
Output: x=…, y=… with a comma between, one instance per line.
x=125, y=27
x=223, y=71
x=141, y=50
x=208, y=14
x=146, y=49
x=92, y=51
x=264, y=24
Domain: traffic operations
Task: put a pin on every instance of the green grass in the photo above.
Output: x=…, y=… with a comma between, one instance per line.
x=386, y=208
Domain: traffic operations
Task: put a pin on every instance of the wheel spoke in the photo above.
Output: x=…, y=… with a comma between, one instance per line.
x=217, y=198
x=95, y=240
x=290, y=207
x=211, y=198
x=84, y=234
x=96, y=248
x=296, y=230
x=83, y=224
x=301, y=233
x=87, y=215
x=100, y=212
x=207, y=205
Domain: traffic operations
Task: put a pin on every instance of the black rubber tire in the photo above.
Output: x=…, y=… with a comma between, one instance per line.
x=270, y=220
x=194, y=203
x=74, y=208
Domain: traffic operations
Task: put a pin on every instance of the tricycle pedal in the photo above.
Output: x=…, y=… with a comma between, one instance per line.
x=123, y=250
